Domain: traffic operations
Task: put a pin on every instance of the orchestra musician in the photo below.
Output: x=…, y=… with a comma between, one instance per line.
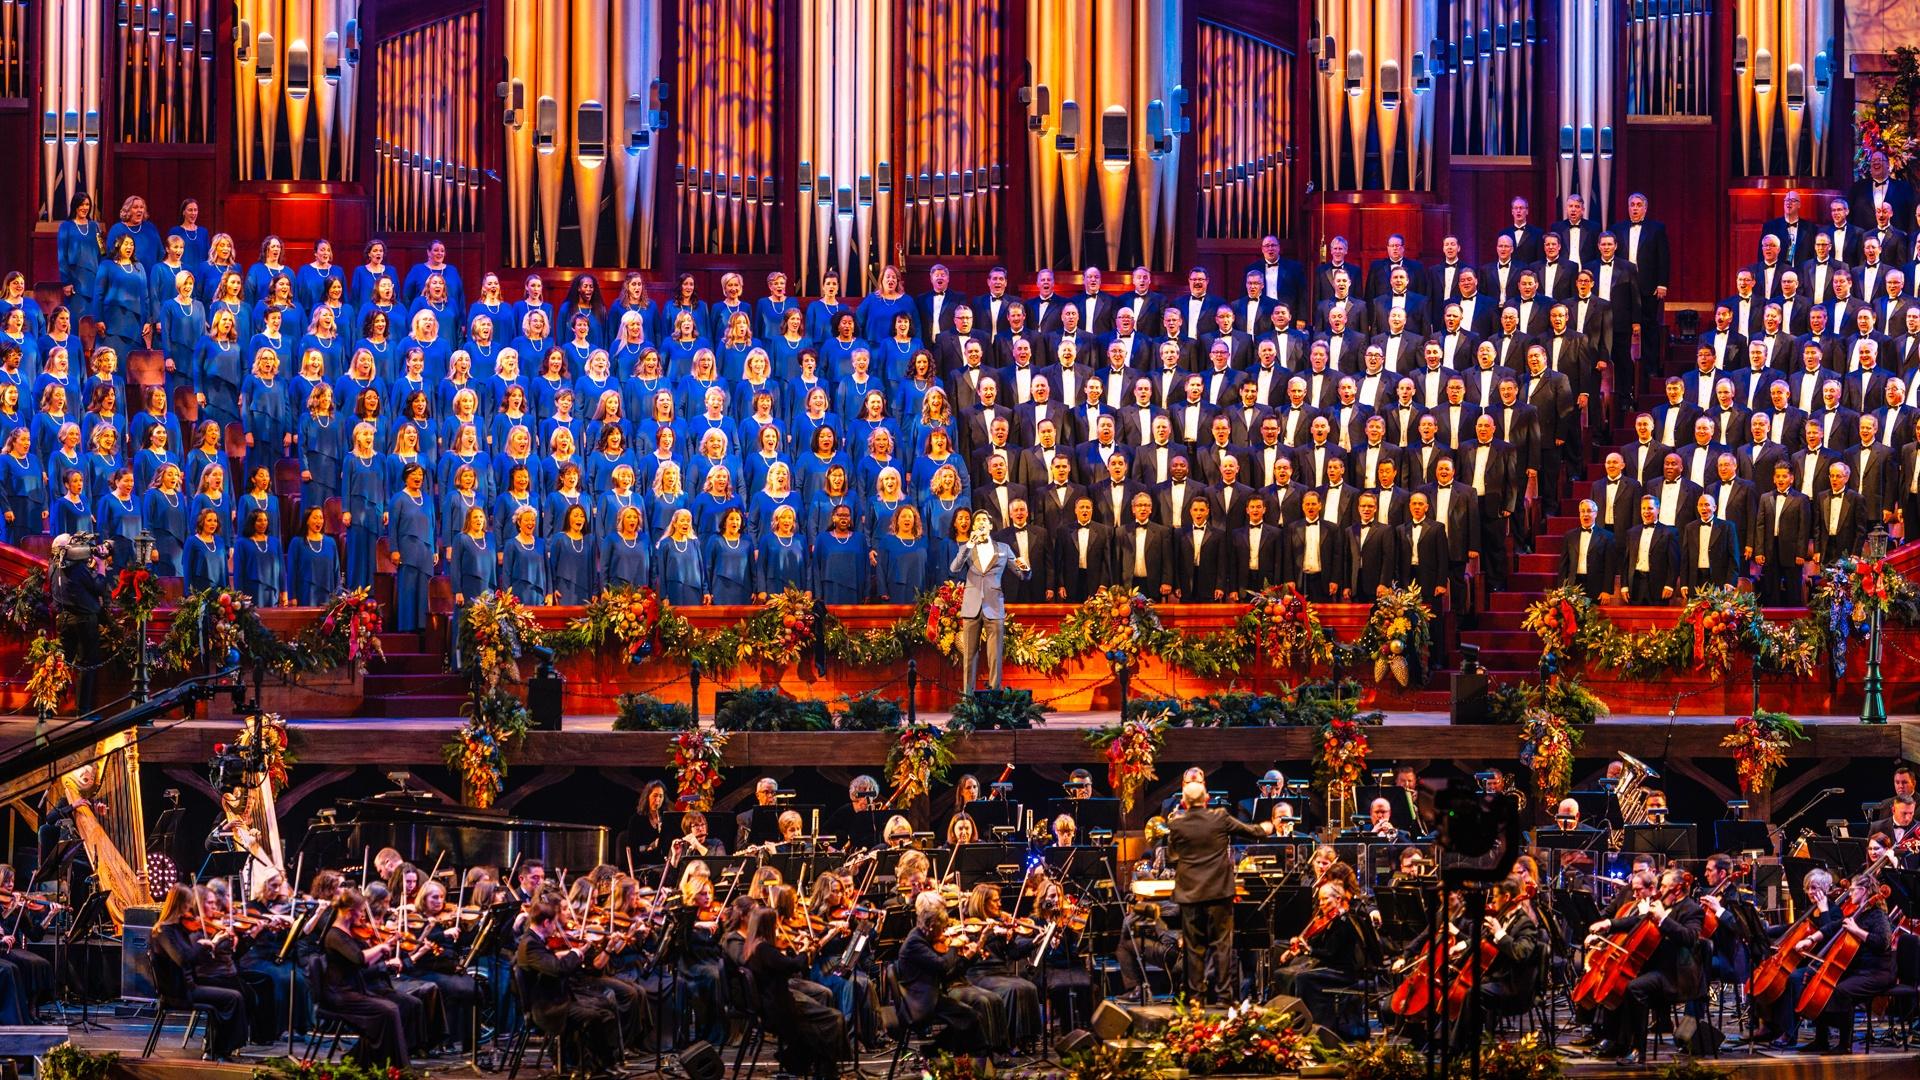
x=1380, y=823
x=187, y=944
x=646, y=829
x=1507, y=984
x=1670, y=975
x=1198, y=843
x=557, y=1000
x=440, y=936
x=1871, y=973
x=1065, y=831
x=961, y=830
x=1272, y=785
x=219, y=966
x=381, y=1018
x=24, y=918
x=810, y=1031
x=929, y=967
x=1004, y=941
x=853, y=823
x=696, y=842
x=1328, y=955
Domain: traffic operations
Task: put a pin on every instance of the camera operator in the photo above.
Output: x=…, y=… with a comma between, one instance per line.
x=79, y=592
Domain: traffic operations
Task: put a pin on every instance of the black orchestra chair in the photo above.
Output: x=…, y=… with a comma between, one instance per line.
x=741, y=1000
x=328, y=1026
x=905, y=1033
x=551, y=1042
x=166, y=974
x=1902, y=1000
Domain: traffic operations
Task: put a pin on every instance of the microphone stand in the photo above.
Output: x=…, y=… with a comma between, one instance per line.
x=1802, y=812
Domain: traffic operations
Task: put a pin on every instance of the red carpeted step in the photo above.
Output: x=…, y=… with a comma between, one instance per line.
x=410, y=663
x=426, y=705
x=388, y=684
x=1501, y=639
x=395, y=641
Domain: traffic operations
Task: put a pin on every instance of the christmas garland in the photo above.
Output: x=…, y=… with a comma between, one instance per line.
x=1130, y=748
x=50, y=676
x=696, y=757
x=494, y=627
x=1712, y=631
x=1287, y=629
x=272, y=728
x=347, y=632
x=918, y=759
x=1759, y=744
x=1398, y=634
x=1547, y=743
x=496, y=721
x=1247, y=1038
x=223, y=623
x=1340, y=754
x=1847, y=596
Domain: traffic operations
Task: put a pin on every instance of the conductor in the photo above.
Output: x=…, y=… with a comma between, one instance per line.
x=1199, y=841
x=983, y=607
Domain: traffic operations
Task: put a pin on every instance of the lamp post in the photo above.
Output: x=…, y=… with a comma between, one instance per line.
x=143, y=548
x=1873, y=709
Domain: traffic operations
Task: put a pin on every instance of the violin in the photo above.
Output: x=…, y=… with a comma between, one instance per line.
x=10, y=898
x=1318, y=926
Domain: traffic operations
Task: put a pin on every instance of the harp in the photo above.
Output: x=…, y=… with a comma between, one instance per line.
x=116, y=839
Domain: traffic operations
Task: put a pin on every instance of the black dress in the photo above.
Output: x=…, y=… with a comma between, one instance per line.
x=646, y=842
x=380, y=1019
x=811, y=1032
x=217, y=967
x=560, y=1005
x=177, y=955
x=459, y=992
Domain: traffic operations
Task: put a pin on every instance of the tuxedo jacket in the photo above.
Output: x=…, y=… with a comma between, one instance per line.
x=1624, y=497
x=1462, y=519
x=1335, y=549
x=1101, y=569
x=1724, y=564
x=1434, y=563
x=1782, y=533
x=1588, y=248
x=1645, y=587
x=1376, y=559
x=1031, y=589
x=1653, y=261
x=1202, y=569
x=1836, y=535
x=1602, y=562
x=1156, y=558
x=1796, y=248
x=1625, y=295
x=1270, y=540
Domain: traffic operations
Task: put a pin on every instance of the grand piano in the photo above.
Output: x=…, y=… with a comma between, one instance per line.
x=420, y=827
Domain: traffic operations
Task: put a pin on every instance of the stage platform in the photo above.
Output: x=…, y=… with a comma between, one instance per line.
x=128, y=1035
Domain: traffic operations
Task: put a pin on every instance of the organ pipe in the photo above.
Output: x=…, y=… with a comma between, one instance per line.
x=1588, y=43
x=1376, y=63
x=68, y=97
x=1785, y=62
x=293, y=60
x=725, y=97
x=1244, y=143
x=426, y=148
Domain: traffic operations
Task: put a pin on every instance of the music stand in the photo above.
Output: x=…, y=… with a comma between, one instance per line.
x=1838, y=854
x=84, y=917
x=1402, y=814
x=1731, y=834
x=1292, y=907
x=1903, y=888
x=765, y=821
x=990, y=814
x=1088, y=814
x=1676, y=842
x=222, y=864
x=1405, y=910
x=1003, y=863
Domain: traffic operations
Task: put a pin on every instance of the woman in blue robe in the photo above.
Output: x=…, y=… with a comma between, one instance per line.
x=835, y=491
x=823, y=453
x=680, y=572
x=159, y=451
x=363, y=503
x=323, y=336
x=729, y=556
x=259, y=566
x=118, y=513
x=903, y=551
x=313, y=562
x=374, y=269
x=878, y=308
x=475, y=565
x=777, y=493
x=206, y=554
x=269, y=269
x=64, y=459
x=842, y=562
x=945, y=545
x=310, y=284
x=610, y=454
x=524, y=560
x=23, y=484
x=135, y=225
x=781, y=558
x=194, y=237
x=208, y=451
x=824, y=312
x=375, y=339
x=266, y=412
x=220, y=262
x=183, y=323
x=888, y=498
x=894, y=355
x=581, y=342
x=622, y=492
x=666, y=499
x=271, y=334
x=785, y=348
x=571, y=559
x=120, y=293
x=164, y=509
x=768, y=449
x=465, y=453
x=258, y=498
x=626, y=557
x=716, y=497
x=633, y=300
x=71, y=512
x=322, y=439
x=212, y=493
x=566, y=495
x=410, y=542
x=460, y=494
x=78, y=244
x=158, y=412
x=507, y=505
x=684, y=301
x=163, y=278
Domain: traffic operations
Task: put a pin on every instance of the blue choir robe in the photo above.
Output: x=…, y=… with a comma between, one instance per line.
x=879, y=516
x=78, y=249
x=607, y=508
x=59, y=464
x=260, y=279
x=243, y=327
x=729, y=569
x=449, y=466
x=903, y=568
x=195, y=243
x=314, y=570
x=322, y=445
x=70, y=516
x=247, y=503
x=119, y=521
x=361, y=285
x=333, y=350
x=707, y=511
x=571, y=570
x=660, y=511
x=840, y=568
x=769, y=313
x=680, y=572
x=196, y=465
x=120, y=293
x=416, y=281
x=363, y=494
x=148, y=246
x=222, y=505
x=163, y=284
x=206, y=564
x=760, y=520
x=148, y=463
x=410, y=534
x=267, y=413
x=259, y=570
x=475, y=567
x=821, y=316
x=781, y=564
x=24, y=486
x=600, y=466
x=506, y=508
x=181, y=331
x=454, y=506
x=310, y=284
x=525, y=570
x=626, y=562
x=166, y=518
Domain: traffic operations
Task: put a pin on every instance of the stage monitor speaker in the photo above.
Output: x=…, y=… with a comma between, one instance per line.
x=1326, y=1036
x=702, y=1061
x=1697, y=1038
x=545, y=694
x=1469, y=704
x=1293, y=1011
x=136, y=949
x=1077, y=1041
x=1110, y=1021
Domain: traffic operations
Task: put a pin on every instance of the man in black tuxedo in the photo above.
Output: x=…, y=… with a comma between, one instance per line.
x=1424, y=558
x=1709, y=550
x=1838, y=525
x=1376, y=556
x=1643, y=243
x=1880, y=186
x=1587, y=554
x=1030, y=542
x=1380, y=272
x=1767, y=272
x=1146, y=551
x=1847, y=236
x=1616, y=496
x=1285, y=279
x=1501, y=277
x=1200, y=553
x=1795, y=233
x=937, y=305
x=1781, y=535
x=1084, y=555
x=1618, y=283
x=1196, y=308
x=1200, y=842
x=1734, y=500
x=1490, y=467
x=1580, y=237
x=1895, y=246
x=1399, y=297
x=1526, y=237
x=1443, y=277
x=1255, y=555
x=1053, y=500
x=1096, y=307
x=1554, y=271
x=1317, y=554
x=1648, y=576
x=1455, y=508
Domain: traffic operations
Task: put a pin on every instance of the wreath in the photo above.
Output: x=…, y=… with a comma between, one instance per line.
x=919, y=758
x=493, y=629
x=347, y=632
x=1287, y=629
x=51, y=674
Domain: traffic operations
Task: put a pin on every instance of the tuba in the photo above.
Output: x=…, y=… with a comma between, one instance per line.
x=1631, y=792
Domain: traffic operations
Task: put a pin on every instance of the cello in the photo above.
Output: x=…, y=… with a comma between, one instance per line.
x=1831, y=965
x=1474, y=970
x=1624, y=954
x=1769, y=978
x=1414, y=996
x=1711, y=921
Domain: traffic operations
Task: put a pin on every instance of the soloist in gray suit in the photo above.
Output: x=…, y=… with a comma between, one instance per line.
x=983, y=606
